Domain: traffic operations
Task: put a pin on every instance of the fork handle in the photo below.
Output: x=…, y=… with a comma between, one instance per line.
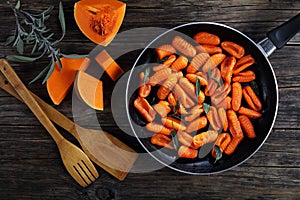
x=29, y=100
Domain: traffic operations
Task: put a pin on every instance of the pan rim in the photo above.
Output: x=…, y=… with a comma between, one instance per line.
x=274, y=79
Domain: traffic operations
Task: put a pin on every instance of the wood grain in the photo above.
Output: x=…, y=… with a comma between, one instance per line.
x=30, y=163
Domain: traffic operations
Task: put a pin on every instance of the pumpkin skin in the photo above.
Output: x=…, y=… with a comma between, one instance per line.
x=99, y=20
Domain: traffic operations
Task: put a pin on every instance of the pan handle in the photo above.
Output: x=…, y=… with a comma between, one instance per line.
x=279, y=36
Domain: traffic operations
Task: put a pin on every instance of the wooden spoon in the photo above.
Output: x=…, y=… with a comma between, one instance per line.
x=101, y=147
x=75, y=160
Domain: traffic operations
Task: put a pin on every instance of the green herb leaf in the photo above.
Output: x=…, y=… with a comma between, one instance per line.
x=43, y=18
x=74, y=56
x=206, y=107
x=210, y=75
x=18, y=5
x=49, y=36
x=146, y=74
x=16, y=41
x=218, y=153
x=42, y=44
x=31, y=30
x=254, y=87
x=39, y=23
x=163, y=60
x=9, y=40
x=41, y=74
x=61, y=17
x=59, y=62
x=17, y=58
x=20, y=46
x=174, y=138
x=34, y=47
x=48, y=10
x=51, y=68
x=198, y=87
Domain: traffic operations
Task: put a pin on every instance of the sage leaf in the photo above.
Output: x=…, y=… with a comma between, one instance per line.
x=210, y=75
x=18, y=5
x=51, y=68
x=30, y=30
x=42, y=44
x=218, y=153
x=174, y=138
x=16, y=41
x=49, y=36
x=59, y=62
x=34, y=47
x=206, y=107
x=48, y=10
x=198, y=87
x=39, y=23
x=40, y=74
x=146, y=75
x=163, y=60
x=17, y=58
x=61, y=17
x=9, y=40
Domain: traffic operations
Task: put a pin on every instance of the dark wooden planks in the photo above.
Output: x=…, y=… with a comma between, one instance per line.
x=171, y=185
x=31, y=167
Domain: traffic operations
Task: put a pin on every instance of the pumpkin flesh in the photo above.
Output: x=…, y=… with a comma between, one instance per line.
x=89, y=90
x=59, y=83
x=99, y=20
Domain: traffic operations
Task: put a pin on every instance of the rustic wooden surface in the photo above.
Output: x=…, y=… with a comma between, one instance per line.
x=30, y=163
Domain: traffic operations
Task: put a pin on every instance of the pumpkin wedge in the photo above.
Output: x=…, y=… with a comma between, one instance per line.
x=99, y=20
x=60, y=81
x=89, y=90
x=109, y=65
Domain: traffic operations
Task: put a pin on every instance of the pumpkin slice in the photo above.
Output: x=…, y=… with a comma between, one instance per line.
x=99, y=20
x=89, y=90
x=59, y=83
x=109, y=65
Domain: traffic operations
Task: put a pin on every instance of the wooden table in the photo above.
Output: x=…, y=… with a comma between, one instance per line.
x=31, y=167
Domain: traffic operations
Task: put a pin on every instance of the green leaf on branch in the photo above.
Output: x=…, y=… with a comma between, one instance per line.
x=17, y=58
x=18, y=5
x=210, y=75
x=206, y=107
x=20, y=46
x=198, y=87
x=146, y=74
x=40, y=75
x=61, y=17
x=9, y=40
x=31, y=30
x=51, y=68
x=218, y=153
x=175, y=140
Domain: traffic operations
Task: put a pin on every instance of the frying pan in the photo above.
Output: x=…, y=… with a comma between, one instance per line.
x=265, y=80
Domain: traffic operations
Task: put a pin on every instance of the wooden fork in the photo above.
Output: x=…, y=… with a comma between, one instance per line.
x=75, y=160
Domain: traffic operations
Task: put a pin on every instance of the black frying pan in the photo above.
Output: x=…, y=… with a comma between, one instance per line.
x=266, y=81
